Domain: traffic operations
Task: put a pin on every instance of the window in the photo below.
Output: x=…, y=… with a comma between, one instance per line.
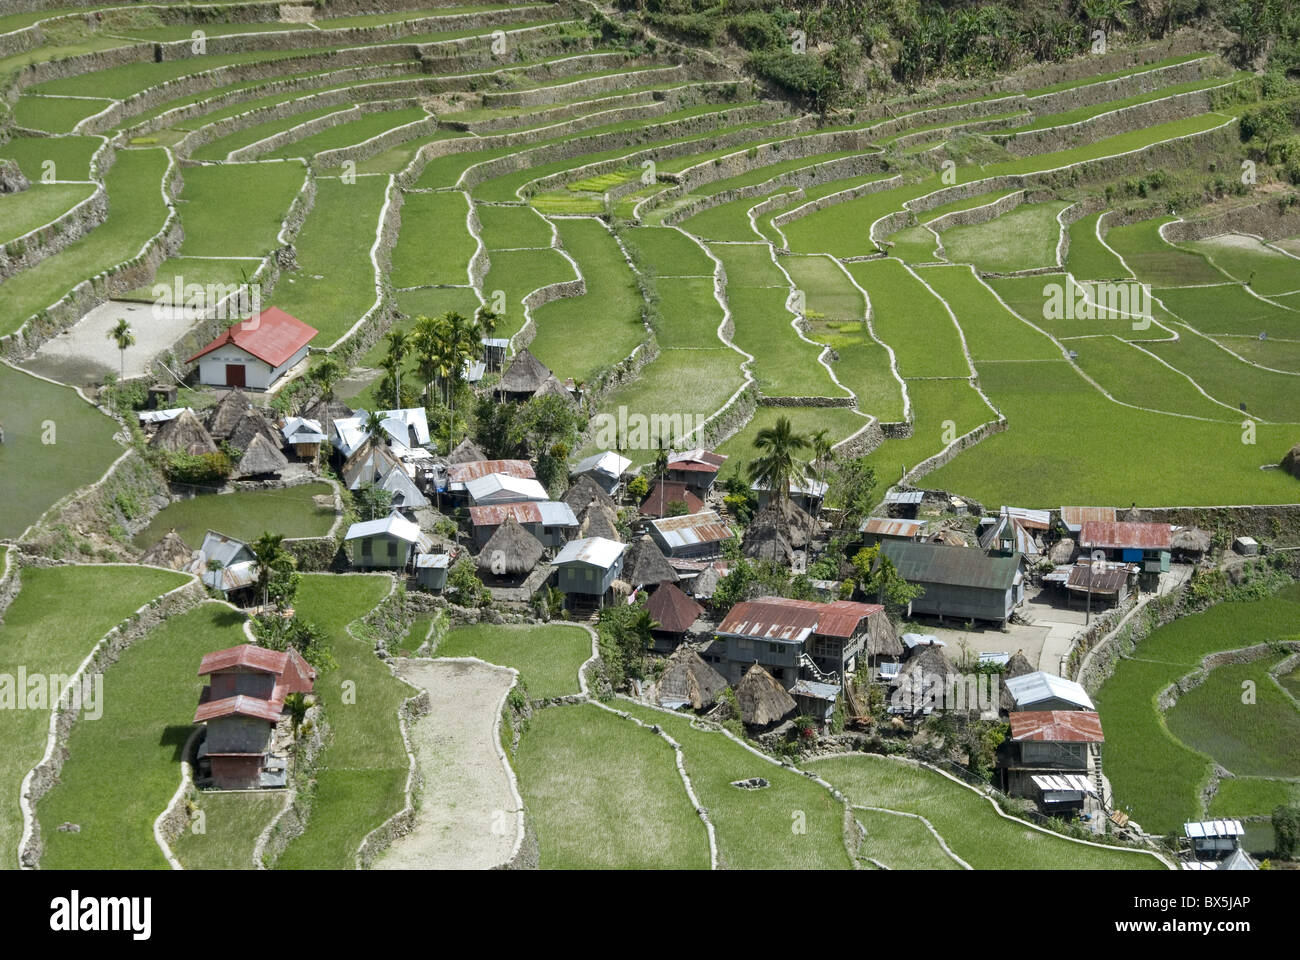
x=392, y=548
x=774, y=648
x=367, y=547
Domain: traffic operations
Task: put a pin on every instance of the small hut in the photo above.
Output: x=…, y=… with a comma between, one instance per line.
x=789, y=519
x=466, y=452
x=551, y=386
x=675, y=613
x=225, y=416
x=325, y=412
x=689, y=680
x=645, y=563
x=253, y=423
x=262, y=458
x=882, y=640
x=583, y=493
x=766, y=542
x=704, y=585
x=1190, y=543
x=523, y=378
x=170, y=552
x=763, y=700
x=510, y=554
x=923, y=681
x=184, y=434
x=1291, y=462
x=599, y=521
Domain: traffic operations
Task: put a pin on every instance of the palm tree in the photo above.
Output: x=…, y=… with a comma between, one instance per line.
x=375, y=432
x=778, y=462
x=269, y=555
x=325, y=374
x=122, y=335
x=399, y=345
x=461, y=345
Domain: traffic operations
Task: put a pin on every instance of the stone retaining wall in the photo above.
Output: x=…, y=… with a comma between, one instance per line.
x=1265, y=219
x=367, y=331
x=472, y=53
x=328, y=159
x=975, y=215
x=1170, y=695
x=831, y=199
x=34, y=246
x=964, y=442
x=1088, y=95
x=586, y=89
x=863, y=442
x=552, y=115
x=308, y=127
x=1262, y=522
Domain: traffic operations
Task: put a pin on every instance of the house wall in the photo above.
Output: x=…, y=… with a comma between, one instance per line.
x=583, y=578
x=212, y=368
x=229, y=683
x=236, y=773
x=690, y=550
x=432, y=578
x=1052, y=703
x=697, y=483
x=238, y=735
x=386, y=552
x=1066, y=756
x=964, y=603
x=738, y=654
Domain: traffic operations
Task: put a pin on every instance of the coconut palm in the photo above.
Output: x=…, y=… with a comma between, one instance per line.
x=123, y=337
x=269, y=556
x=778, y=461
x=325, y=374
x=375, y=432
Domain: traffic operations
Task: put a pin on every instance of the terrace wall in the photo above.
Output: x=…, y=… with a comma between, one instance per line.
x=964, y=442
x=307, y=128
x=1266, y=219
x=1121, y=88
x=34, y=246
x=356, y=152
x=542, y=96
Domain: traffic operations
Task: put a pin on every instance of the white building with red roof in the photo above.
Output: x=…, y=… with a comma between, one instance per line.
x=256, y=352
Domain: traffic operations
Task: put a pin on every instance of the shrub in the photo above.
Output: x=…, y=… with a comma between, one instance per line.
x=203, y=468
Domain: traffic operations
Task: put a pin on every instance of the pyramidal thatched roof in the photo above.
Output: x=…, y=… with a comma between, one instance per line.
x=524, y=375
x=646, y=563
x=787, y=518
x=184, y=434
x=1291, y=461
x=930, y=661
x=705, y=583
x=325, y=412
x=466, y=452
x=763, y=700
x=599, y=521
x=1017, y=666
x=252, y=423
x=689, y=679
x=261, y=457
x=766, y=542
x=552, y=386
x=225, y=416
x=882, y=638
x=510, y=551
x=170, y=552
x=583, y=492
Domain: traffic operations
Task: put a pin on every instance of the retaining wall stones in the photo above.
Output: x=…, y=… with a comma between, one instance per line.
x=584, y=88
x=1121, y=88
x=964, y=442
x=355, y=152
x=308, y=127
x=31, y=248
x=1265, y=219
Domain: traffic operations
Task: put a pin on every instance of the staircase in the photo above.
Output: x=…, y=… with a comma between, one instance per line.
x=806, y=662
x=1096, y=776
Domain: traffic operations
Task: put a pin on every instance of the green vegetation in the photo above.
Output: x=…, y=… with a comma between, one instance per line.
x=45, y=634
x=1021, y=239
x=231, y=825
x=248, y=227
x=517, y=273
x=603, y=792
x=547, y=657
x=1152, y=260
x=244, y=514
x=361, y=781
x=1088, y=257
x=1266, y=269
x=123, y=769
x=906, y=315
x=435, y=245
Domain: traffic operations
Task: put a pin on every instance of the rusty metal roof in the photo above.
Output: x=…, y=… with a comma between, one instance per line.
x=889, y=527
x=698, y=460
x=1126, y=535
x=494, y=515
x=473, y=469
x=665, y=492
x=786, y=619
x=704, y=527
x=1076, y=517
x=1057, y=726
x=673, y=610
x=1088, y=580
x=239, y=705
x=244, y=655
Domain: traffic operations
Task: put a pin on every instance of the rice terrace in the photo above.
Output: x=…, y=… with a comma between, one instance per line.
x=642, y=434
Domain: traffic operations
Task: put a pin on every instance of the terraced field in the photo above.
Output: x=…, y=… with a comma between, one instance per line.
x=674, y=241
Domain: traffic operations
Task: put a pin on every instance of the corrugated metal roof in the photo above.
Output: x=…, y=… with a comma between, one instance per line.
x=473, y=469
x=913, y=640
x=1126, y=535
x=957, y=566
x=1201, y=829
x=1064, y=783
x=237, y=576
x=225, y=550
x=1056, y=726
x=787, y=619
x=503, y=488
x=672, y=609
x=1039, y=686
x=904, y=496
x=302, y=430
x=394, y=525
x=239, y=705
x=273, y=337
x=685, y=531
x=608, y=463
x=1076, y=517
x=591, y=551
x=1110, y=579
x=245, y=655
x=433, y=561
x=697, y=460
x=549, y=513
x=889, y=527
x=815, y=690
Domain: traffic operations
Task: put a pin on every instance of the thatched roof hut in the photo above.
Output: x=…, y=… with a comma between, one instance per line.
x=645, y=563
x=765, y=541
x=882, y=638
x=928, y=665
x=583, y=492
x=689, y=679
x=466, y=452
x=705, y=583
x=1191, y=540
x=1291, y=462
x=525, y=375
x=325, y=412
x=262, y=457
x=184, y=434
x=599, y=521
x=763, y=700
x=251, y=424
x=790, y=519
x=551, y=386
x=1062, y=551
x=510, y=552
x=170, y=552
x=1017, y=666
x=225, y=416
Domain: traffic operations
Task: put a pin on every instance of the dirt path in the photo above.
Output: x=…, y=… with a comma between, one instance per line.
x=468, y=814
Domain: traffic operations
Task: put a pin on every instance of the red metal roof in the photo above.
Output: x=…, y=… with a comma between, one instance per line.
x=245, y=655
x=299, y=676
x=1083, y=577
x=1078, y=516
x=273, y=337
x=1057, y=726
x=473, y=469
x=673, y=610
x=1126, y=535
x=784, y=618
x=696, y=461
x=240, y=705
x=495, y=515
x=666, y=492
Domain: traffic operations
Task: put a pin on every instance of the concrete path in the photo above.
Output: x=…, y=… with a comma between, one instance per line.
x=467, y=812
